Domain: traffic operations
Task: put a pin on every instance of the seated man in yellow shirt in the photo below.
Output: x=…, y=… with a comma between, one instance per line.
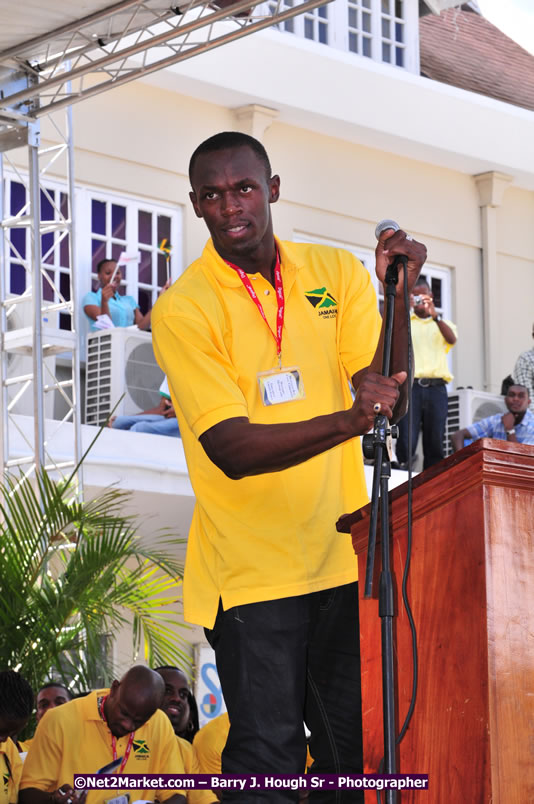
x=48, y=697
x=88, y=733
x=177, y=705
x=16, y=704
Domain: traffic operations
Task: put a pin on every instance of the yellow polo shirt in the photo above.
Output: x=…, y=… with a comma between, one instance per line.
x=73, y=738
x=209, y=742
x=11, y=769
x=191, y=766
x=273, y=535
x=430, y=349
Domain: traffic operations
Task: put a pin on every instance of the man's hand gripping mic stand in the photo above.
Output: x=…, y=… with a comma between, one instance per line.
x=377, y=446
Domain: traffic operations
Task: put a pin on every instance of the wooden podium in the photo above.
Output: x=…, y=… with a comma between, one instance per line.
x=471, y=589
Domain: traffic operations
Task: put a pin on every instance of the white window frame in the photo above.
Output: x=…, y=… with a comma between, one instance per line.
x=337, y=17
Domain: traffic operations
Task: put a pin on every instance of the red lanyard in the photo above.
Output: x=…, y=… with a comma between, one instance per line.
x=279, y=288
x=114, y=741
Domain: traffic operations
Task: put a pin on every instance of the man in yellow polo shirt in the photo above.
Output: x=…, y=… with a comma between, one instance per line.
x=433, y=338
x=87, y=733
x=259, y=339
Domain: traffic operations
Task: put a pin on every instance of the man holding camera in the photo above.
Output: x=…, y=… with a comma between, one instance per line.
x=433, y=338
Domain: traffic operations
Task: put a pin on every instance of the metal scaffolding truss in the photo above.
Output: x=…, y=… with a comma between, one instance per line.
x=39, y=326
x=125, y=41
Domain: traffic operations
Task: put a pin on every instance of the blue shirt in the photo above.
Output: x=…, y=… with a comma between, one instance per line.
x=121, y=308
x=492, y=427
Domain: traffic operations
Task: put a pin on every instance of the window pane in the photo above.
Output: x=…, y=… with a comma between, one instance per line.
x=399, y=56
x=353, y=18
x=47, y=250
x=385, y=29
x=353, y=43
x=436, y=291
x=366, y=3
x=164, y=229
x=116, y=251
x=399, y=9
x=17, y=238
x=48, y=291
x=366, y=47
x=64, y=253
x=145, y=268
x=47, y=209
x=64, y=285
x=386, y=52
x=323, y=33
x=145, y=227
x=308, y=28
x=18, y=197
x=145, y=300
x=118, y=221
x=98, y=217
x=98, y=248
x=163, y=270
x=65, y=321
x=323, y=12
x=385, y=6
x=289, y=25
x=399, y=32
x=17, y=279
x=366, y=23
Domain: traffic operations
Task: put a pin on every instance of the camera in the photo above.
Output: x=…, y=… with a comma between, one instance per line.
x=418, y=300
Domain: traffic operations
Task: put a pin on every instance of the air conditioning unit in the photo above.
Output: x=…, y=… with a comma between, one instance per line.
x=466, y=406
x=120, y=361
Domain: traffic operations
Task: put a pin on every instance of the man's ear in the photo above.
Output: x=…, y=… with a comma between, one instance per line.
x=114, y=688
x=193, y=197
x=274, y=189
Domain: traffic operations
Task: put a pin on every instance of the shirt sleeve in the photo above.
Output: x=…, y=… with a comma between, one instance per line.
x=482, y=429
x=42, y=764
x=90, y=298
x=201, y=376
x=209, y=743
x=361, y=321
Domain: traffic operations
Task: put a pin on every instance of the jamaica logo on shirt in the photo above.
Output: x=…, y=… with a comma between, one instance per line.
x=5, y=779
x=323, y=301
x=141, y=749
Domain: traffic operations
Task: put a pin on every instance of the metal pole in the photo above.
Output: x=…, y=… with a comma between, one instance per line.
x=34, y=136
x=75, y=314
x=4, y=401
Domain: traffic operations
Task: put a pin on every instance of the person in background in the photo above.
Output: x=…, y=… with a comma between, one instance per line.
x=179, y=703
x=50, y=695
x=88, y=733
x=524, y=372
x=16, y=705
x=123, y=310
x=433, y=338
x=176, y=705
x=516, y=426
x=158, y=421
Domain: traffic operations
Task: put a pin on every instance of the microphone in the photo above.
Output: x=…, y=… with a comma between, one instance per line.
x=385, y=224
x=392, y=273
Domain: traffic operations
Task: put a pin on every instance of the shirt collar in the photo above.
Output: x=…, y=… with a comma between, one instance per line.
x=90, y=704
x=229, y=277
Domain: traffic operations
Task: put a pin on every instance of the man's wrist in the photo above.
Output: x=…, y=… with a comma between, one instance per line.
x=437, y=317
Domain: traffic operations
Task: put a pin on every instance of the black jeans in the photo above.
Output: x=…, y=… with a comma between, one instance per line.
x=429, y=409
x=280, y=663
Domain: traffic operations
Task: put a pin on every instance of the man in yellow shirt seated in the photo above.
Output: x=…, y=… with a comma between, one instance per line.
x=48, y=697
x=88, y=733
x=176, y=704
x=16, y=704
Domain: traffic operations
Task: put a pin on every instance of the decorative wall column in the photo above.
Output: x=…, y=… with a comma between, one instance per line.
x=491, y=187
x=255, y=119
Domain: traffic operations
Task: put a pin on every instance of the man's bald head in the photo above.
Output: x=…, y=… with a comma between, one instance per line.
x=133, y=700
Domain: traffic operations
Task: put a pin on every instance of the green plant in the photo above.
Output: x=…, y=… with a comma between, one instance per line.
x=71, y=575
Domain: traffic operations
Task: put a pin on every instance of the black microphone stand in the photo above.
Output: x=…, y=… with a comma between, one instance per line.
x=377, y=446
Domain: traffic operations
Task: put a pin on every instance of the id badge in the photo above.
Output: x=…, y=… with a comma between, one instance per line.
x=280, y=385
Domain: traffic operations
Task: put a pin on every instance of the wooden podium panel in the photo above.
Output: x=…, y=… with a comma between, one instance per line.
x=471, y=589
